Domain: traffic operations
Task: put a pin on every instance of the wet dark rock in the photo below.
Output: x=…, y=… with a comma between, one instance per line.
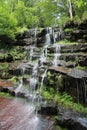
x=70, y=24
x=25, y=80
x=2, y=59
x=71, y=65
x=48, y=109
x=15, y=72
x=51, y=49
x=7, y=40
x=6, y=58
x=71, y=120
x=74, y=48
x=48, y=63
x=62, y=79
x=71, y=124
x=76, y=32
x=83, y=25
x=7, y=87
x=26, y=38
x=75, y=73
x=35, y=57
x=42, y=33
x=20, y=94
x=83, y=61
x=41, y=41
x=76, y=53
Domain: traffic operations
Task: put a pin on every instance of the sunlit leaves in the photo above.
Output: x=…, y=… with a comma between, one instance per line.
x=7, y=23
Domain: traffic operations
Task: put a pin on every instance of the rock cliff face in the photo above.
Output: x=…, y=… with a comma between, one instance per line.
x=63, y=63
x=75, y=31
x=71, y=73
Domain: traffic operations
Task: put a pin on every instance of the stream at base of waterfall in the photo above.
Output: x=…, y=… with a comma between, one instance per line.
x=18, y=114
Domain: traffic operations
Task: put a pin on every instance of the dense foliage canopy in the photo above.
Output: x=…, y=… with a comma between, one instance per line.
x=16, y=15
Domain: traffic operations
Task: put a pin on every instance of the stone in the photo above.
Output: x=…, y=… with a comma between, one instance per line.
x=48, y=109
x=71, y=120
x=76, y=32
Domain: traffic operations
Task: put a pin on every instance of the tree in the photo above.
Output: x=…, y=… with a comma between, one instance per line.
x=70, y=8
x=26, y=16
x=7, y=23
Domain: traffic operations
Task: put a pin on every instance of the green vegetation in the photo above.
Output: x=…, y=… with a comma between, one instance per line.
x=60, y=128
x=3, y=69
x=81, y=67
x=7, y=95
x=66, y=42
x=70, y=30
x=18, y=15
x=62, y=99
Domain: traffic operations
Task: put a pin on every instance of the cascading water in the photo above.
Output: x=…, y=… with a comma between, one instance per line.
x=34, y=89
x=56, y=55
x=25, y=117
x=48, y=39
x=31, y=53
x=43, y=76
x=19, y=88
x=54, y=37
x=33, y=82
x=44, y=50
x=43, y=55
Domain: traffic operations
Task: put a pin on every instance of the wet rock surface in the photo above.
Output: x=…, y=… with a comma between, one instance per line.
x=53, y=65
x=49, y=108
x=75, y=31
x=20, y=115
x=71, y=120
x=75, y=73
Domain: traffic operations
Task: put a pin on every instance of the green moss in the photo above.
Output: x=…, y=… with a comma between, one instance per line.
x=4, y=66
x=66, y=42
x=21, y=30
x=4, y=69
x=17, y=52
x=70, y=29
x=85, y=36
x=81, y=67
x=7, y=95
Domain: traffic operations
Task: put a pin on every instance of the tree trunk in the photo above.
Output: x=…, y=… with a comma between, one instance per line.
x=70, y=9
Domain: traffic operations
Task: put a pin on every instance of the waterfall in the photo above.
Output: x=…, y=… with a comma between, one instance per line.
x=35, y=35
x=43, y=55
x=48, y=40
x=33, y=82
x=31, y=53
x=19, y=88
x=56, y=55
x=47, y=43
x=50, y=30
x=43, y=76
x=38, y=70
x=54, y=39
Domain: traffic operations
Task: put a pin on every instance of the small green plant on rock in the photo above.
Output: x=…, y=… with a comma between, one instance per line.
x=63, y=99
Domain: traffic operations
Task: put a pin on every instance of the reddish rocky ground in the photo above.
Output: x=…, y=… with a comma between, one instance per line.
x=17, y=114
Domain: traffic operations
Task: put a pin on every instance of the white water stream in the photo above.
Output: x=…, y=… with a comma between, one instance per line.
x=34, y=89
